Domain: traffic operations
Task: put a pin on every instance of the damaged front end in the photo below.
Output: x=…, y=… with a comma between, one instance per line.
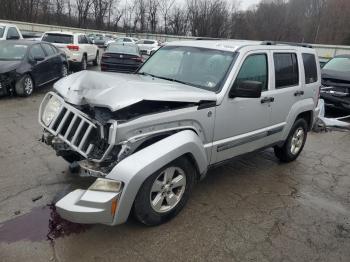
x=88, y=136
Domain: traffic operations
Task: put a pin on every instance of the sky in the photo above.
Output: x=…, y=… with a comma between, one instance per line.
x=245, y=4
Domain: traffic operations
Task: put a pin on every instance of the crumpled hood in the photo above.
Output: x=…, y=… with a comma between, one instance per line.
x=7, y=66
x=116, y=91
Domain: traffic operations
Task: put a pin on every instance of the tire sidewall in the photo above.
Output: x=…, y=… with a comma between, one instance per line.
x=142, y=205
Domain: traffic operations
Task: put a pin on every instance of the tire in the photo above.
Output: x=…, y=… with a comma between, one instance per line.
x=83, y=63
x=294, y=143
x=25, y=86
x=71, y=157
x=95, y=62
x=145, y=208
x=64, y=69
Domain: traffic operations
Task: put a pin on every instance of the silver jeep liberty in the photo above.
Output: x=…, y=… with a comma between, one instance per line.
x=148, y=137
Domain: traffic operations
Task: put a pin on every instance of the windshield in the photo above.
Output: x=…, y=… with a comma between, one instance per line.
x=11, y=51
x=58, y=38
x=200, y=67
x=124, y=49
x=338, y=64
x=2, y=29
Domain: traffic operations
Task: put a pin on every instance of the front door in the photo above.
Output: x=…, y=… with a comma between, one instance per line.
x=242, y=124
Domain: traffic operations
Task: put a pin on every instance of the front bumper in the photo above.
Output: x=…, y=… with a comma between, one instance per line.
x=89, y=207
x=342, y=103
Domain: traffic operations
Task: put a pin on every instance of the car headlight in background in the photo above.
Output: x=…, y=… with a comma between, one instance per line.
x=51, y=109
x=102, y=184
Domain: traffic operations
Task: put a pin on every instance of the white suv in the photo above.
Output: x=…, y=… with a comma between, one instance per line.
x=149, y=136
x=78, y=48
x=147, y=45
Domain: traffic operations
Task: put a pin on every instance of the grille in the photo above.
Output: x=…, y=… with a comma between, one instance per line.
x=72, y=127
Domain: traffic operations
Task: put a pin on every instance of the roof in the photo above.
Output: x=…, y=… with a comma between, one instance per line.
x=225, y=45
x=232, y=45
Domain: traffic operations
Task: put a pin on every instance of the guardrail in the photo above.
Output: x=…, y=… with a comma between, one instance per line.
x=324, y=51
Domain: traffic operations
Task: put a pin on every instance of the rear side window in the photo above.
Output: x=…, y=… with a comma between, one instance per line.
x=310, y=68
x=12, y=33
x=82, y=40
x=49, y=49
x=127, y=40
x=149, y=42
x=286, y=69
x=58, y=38
x=36, y=51
x=254, y=68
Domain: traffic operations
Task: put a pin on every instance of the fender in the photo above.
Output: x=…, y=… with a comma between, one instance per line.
x=135, y=169
x=298, y=108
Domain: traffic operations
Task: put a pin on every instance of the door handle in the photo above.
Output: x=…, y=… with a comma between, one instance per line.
x=299, y=93
x=267, y=100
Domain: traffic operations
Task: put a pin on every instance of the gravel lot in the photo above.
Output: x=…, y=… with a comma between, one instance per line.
x=252, y=209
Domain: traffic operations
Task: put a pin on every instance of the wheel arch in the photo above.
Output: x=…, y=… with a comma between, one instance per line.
x=136, y=168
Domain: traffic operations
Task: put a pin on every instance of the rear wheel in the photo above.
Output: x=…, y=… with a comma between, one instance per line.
x=295, y=142
x=165, y=193
x=83, y=64
x=95, y=62
x=25, y=86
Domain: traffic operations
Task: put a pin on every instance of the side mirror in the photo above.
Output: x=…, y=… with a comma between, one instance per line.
x=38, y=58
x=247, y=89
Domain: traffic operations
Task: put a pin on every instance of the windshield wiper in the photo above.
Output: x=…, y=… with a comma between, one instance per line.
x=167, y=78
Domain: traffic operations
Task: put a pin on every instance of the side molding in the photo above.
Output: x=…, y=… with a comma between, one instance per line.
x=135, y=169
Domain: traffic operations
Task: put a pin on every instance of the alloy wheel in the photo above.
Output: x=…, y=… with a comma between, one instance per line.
x=168, y=189
x=297, y=141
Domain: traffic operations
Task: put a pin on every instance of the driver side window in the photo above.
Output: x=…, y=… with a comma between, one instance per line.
x=254, y=68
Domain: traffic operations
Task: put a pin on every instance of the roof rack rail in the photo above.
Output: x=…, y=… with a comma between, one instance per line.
x=286, y=43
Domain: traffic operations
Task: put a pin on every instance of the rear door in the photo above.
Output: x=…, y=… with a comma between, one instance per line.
x=87, y=47
x=287, y=86
x=53, y=59
x=42, y=71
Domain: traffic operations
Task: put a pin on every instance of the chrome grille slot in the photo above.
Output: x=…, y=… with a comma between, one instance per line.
x=74, y=128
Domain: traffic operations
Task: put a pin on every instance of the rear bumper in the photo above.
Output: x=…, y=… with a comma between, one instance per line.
x=88, y=207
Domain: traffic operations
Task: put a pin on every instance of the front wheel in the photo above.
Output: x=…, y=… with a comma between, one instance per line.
x=294, y=144
x=24, y=86
x=165, y=193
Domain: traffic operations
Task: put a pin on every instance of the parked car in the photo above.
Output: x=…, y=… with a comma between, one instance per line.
x=100, y=41
x=78, y=48
x=336, y=83
x=124, y=58
x=149, y=136
x=25, y=65
x=9, y=32
x=33, y=36
x=120, y=40
x=147, y=45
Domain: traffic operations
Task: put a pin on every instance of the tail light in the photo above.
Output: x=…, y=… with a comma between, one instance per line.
x=73, y=47
x=318, y=95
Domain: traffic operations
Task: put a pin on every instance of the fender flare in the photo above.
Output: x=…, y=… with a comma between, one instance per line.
x=298, y=108
x=135, y=169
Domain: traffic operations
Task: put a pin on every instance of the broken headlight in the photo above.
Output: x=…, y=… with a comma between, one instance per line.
x=51, y=109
